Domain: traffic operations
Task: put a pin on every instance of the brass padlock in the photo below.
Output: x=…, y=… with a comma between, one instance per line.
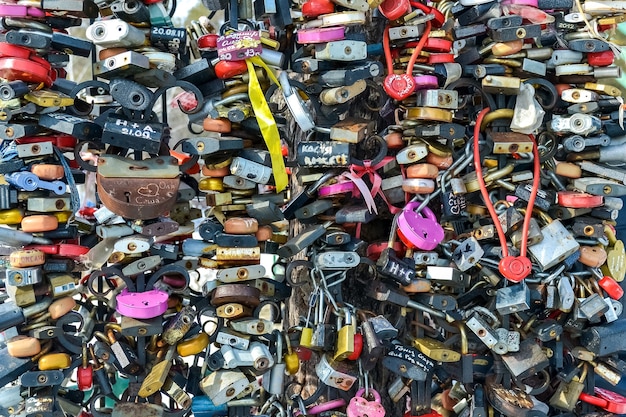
x=345, y=336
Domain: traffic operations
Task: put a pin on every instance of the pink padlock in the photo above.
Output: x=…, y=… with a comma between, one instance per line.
x=360, y=407
x=419, y=230
x=327, y=406
x=141, y=305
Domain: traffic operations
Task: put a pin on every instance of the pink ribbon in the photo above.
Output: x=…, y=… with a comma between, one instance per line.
x=356, y=175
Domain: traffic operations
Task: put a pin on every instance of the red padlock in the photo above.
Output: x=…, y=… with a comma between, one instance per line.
x=607, y=400
x=314, y=8
x=600, y=59
x=575, y=199
x=394, y=9
x=207, y=41
x=611, y=287
x=230, y=69
x=84, y=373
x=358, y=347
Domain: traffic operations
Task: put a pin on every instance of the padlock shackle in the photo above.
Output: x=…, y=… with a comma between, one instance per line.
x=372, y=391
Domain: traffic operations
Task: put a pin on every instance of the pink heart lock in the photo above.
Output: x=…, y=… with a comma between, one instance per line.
x=141, y=305
x=360, y=407
x=419, y=230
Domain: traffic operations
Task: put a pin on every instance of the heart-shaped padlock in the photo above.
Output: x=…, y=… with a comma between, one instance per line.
x=419, y=230
x=360, y=407
x=141, y=305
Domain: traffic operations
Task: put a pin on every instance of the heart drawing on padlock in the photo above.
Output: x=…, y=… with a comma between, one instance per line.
x=417, y=230
x=361, y=407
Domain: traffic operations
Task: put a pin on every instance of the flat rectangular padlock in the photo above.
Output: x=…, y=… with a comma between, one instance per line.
x=233, y=339
x=243, y=273
x=337, y=260
x=557, y=244
x=71, y=125
x=122, y=64
x=513, y=299
x=405, y=32
x=132, y=135
x=237, y=254
x=409, y=362
x=529, y=360
x=497, y=84
x=20, y=277
x=32, y=150
x=323, y=154
x=507, y=34
x=504, y=22
x=74, y=8
x=238, y=183
x=350, y=75
x=354, y=214
x=141, y=327
x=351, y=130
x=447, y=276
x=510, y=142
x=207, y=146
x=341, y=51
x=485, y=333
x=443, y=99
x=412, y=153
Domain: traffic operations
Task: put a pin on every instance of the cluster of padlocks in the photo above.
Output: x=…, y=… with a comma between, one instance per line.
x=382, y=208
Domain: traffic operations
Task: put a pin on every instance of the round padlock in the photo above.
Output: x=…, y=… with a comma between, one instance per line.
x=419, y=231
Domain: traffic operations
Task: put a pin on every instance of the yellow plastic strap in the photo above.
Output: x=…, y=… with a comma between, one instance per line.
x=266, y=121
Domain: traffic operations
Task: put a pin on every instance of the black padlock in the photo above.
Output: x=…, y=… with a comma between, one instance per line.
x=132, y=134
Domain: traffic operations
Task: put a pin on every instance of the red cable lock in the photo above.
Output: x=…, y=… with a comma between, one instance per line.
x=513, y=268
x=401, y=86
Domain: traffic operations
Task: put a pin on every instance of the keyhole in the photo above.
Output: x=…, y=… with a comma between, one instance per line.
x=127, y=195
x=425, y=233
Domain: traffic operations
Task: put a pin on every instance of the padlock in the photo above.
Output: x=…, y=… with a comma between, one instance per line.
x=274, y=383
x=555, y=235
x=417, y=231
x=345, y=336
x=359, y=406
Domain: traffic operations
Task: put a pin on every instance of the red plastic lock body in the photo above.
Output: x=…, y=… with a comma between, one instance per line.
x=358, y=347
x=394, y=9
x=573, y=199
x=314, y=8
x=206, y=42
x=611, y=287
x=60, y=141
x=600, y=59
x=608, y=400
x=84, y=378
x=229, y=69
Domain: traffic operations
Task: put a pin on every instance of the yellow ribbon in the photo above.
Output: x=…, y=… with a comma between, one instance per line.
x=266, y=121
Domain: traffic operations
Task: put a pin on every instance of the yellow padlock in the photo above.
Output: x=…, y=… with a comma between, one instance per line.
x=11, y=216
x=54, y=361
x=306, y=337
x=194, y=345
x=62, y=216
x=211, y=184
x=615, y=265
x=292, y=362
